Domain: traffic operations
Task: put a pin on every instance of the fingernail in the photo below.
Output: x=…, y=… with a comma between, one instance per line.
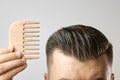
x=10, y=49
x=18, y=54
x=24, y=60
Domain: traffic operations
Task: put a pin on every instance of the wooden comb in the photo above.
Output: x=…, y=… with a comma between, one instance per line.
x=24, y=38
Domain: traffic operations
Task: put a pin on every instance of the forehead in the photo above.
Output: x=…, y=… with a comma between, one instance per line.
x=71, y=68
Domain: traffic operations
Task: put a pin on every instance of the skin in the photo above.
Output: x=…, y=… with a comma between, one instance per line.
x=61, y=68
x=65, y=67
x=8, y=57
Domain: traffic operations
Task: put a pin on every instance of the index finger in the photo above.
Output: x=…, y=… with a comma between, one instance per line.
x=6, y=50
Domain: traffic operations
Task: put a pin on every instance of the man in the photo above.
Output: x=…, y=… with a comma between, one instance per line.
x=76, y=52
x=79, y=52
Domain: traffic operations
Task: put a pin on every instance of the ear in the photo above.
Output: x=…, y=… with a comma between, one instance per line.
x=45, y=76
x=112, y=76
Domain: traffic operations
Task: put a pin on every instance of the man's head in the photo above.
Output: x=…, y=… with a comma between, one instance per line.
x=79, y=52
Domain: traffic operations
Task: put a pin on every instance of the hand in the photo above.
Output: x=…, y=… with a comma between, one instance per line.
x=10, y=63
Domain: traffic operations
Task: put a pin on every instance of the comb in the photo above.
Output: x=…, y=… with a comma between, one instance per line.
x=24, y=37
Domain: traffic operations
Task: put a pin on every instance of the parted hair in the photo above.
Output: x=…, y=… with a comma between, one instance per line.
x=80, y=41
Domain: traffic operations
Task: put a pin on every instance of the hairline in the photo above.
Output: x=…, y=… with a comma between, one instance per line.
x=51, y=58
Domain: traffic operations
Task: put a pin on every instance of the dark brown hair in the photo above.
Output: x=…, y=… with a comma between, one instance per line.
x=80, y=41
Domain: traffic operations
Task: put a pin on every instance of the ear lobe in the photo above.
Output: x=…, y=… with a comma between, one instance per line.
x=45, y=76
x=112, y=76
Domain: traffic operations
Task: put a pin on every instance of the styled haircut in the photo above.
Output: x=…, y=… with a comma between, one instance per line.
x=80, y=41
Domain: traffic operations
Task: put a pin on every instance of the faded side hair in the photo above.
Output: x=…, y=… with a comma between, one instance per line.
x=80, y=41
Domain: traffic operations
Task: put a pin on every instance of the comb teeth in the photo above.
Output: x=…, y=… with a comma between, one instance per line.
x=30, y=48
x=30, y=44
x=25, y=40
x=31, y=31
x=31, y=36
x=31, y=57
x=24, y=37
x=30, y=27
x=30, y=41
x=31, y=52
x=29, y=22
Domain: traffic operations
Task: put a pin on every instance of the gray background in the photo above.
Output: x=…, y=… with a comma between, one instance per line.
x=54, y=14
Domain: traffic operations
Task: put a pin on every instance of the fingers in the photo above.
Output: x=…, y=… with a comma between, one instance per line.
x=5, y=67
x=10, y=56
x=11, y=63
x=5, y=50
x=10, y=74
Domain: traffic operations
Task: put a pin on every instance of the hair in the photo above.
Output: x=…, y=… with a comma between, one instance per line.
x=79, y=41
